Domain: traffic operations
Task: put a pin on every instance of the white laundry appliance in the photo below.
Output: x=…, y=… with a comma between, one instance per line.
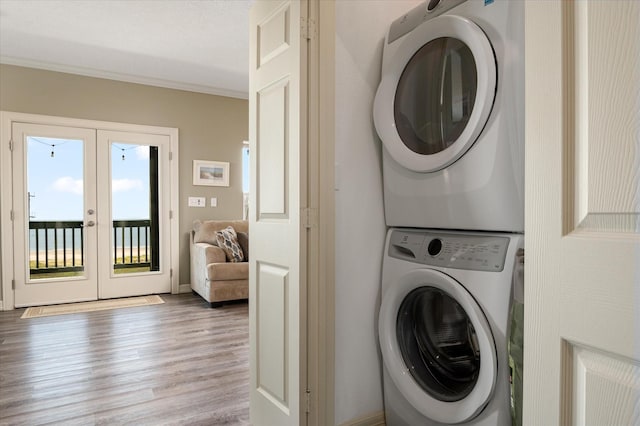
x=443, y=326
x=450, y=113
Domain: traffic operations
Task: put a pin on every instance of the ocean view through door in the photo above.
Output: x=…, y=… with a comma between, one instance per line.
x=90, y=218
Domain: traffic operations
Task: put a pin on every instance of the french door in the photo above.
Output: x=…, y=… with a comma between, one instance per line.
x=90, y=214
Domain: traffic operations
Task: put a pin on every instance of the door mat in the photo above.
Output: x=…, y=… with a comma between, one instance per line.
x=98, y=305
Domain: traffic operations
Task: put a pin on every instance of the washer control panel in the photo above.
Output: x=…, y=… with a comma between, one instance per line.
x=450, y=250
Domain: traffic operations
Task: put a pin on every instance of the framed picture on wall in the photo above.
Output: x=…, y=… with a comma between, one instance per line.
x=210, y=173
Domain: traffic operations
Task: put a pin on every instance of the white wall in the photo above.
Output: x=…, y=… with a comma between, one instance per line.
x=360, y=229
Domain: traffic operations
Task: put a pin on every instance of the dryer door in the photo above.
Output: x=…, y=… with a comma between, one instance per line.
x=436, y=95
x=437, y=346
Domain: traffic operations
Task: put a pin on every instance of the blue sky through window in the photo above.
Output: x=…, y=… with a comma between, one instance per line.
x=56, y=182
x=245, y=169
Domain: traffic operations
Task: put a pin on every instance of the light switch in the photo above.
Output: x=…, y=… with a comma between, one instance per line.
x=197, y=201
x=214, y=202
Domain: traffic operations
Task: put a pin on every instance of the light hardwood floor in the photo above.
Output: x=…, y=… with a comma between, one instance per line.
x=179, y=363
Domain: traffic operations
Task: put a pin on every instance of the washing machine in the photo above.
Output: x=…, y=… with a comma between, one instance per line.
x=443, y=326
x=450, y=113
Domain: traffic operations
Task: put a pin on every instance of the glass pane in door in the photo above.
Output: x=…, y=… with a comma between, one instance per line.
x=134, y=208
x=55, y=205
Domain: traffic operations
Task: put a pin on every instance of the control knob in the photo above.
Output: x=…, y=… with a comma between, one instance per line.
x=435, y=247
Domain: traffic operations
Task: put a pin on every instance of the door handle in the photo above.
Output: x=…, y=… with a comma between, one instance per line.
x=91, y=223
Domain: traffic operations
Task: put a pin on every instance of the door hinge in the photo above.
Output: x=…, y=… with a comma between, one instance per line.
x=308, y=401
x=307, y=28
x=13, y=284
x=13, y=216
x=11, y=145
x=309, y=218
x=170, y=214
x=171, y=273
x=170, y=155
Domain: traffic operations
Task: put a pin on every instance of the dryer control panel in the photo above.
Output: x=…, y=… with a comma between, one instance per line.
x=419, y=14
x=476, y=252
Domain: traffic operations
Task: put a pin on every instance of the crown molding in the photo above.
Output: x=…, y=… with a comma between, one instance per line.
x=88, y=72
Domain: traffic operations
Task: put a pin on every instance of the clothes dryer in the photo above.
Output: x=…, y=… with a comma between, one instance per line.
x=450, y=111
x=443, y=327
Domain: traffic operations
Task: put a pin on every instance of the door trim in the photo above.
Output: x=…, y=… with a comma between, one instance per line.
x=7, y=118
x=321, y=241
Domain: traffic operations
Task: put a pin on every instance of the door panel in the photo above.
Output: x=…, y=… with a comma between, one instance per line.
x=582, y=195
x=133, y=214
x=277, y=111
x=272, y=104
x=54, y=201
x=271, y=345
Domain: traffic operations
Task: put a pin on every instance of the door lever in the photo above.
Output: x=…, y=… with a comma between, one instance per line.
x=91, y=223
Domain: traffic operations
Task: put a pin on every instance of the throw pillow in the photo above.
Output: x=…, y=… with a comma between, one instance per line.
x=204, y=232
x=243, y=240
x=228, y=241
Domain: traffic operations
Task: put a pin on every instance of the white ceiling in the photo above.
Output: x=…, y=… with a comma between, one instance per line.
x=196, y=45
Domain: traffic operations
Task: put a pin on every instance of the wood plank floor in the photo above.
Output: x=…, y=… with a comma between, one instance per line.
x=179, y=363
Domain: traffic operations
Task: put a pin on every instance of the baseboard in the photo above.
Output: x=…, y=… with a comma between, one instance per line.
x=184, y=288
x=375, y=419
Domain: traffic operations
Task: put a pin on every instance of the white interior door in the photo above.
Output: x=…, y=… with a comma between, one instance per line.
x=54, y=203
x=277, y=132
x=582, y=287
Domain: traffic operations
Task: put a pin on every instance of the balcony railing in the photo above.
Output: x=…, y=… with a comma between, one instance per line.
x=58, y=246
x=131, y=255
x=50, y=255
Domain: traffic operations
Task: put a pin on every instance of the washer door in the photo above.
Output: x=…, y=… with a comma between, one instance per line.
x=437, y=346
x=436, y=95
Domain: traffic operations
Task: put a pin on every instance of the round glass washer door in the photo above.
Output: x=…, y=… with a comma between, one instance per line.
x=437, y=346
x=436, y=94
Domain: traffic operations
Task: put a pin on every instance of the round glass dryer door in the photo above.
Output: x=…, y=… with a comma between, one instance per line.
x=436, y=95
x=437, y=346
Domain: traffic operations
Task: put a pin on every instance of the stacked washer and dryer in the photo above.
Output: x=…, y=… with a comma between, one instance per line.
x=450, y=113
